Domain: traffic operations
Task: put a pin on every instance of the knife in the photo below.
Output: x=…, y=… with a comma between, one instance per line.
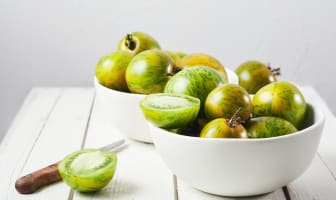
x=31, y=182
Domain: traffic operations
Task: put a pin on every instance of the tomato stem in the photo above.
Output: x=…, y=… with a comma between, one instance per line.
x=129, y=42
x=275, y=72
x=235, y=119
x=172, y=69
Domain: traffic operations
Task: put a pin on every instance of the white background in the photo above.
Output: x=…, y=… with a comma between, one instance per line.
x=58, y=43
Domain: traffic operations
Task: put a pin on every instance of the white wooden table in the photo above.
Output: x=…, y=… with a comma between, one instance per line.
x=56, y=121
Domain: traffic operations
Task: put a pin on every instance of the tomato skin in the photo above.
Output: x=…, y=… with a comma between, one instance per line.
x=111, y=68
x=219, y=128
x=197, y=59
x=141, y=42
x=253, y=75
x=264, y=127
x=280, y=99
x=147, y=72
x=224, y=101
x=176, y=55
x=197, y=81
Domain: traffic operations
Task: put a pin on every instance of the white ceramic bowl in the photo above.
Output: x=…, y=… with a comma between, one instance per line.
x=123, y=112
x=240, y=167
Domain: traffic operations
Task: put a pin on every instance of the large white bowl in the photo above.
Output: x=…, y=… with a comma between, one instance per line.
x=240, y=167
x=123, y=112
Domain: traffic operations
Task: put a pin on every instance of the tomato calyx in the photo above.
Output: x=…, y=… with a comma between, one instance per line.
x=275, y=71
x=130, y=42
x=172, y=69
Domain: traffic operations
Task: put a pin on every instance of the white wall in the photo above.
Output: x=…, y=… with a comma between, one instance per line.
x=57, y=43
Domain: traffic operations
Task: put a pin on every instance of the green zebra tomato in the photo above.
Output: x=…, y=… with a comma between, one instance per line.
x=88, y=170
x=280, y=99
x=170, y=110
x=200, y=59
x=223, y=101
x=221, y=128
x=176, y=56
x=137, y=42
x=148, y=72
x=111, y=68
x=264, y=127
x=196, y=81
x=253, y=75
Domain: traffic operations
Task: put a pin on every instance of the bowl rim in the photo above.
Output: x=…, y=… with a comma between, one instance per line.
x=109, y=90
x=245, y=140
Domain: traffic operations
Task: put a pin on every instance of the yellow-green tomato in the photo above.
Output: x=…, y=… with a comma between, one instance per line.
x=176, y=56
x=111, y=68
x=280, y=99
x=147, y=73
x=221, y=128
x=197, y=81
x=170, y=110
x=223, y=102
x=88, y=170
x=197, y=59
x=253, y=75
x=264, y=127
x=137, y=42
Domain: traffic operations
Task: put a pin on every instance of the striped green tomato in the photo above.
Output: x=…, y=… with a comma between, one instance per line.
x=221, y=128
x=88, y=170
x=110, y=70
x=253, y=75
x=223, y=102
x=147, y=72
x=196, y=81
x=264, y=127
x=176, y=56
x=170, y=111
x=201, y=59
x=137, y=42
x=280, y=99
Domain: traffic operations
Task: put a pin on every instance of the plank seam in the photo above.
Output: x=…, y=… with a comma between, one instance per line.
x=88, y=121
x=176, y=196
x=7, y=137
x=34, y=143
x=71, y=192
x=325, y=164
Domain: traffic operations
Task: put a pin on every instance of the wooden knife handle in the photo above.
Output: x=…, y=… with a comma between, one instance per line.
x=32, y=182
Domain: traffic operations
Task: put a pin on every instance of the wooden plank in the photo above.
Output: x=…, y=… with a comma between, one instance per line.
x=186, y=192
x=318, y=182
x=140, y=172
x=23, y=132
x=62, y=134
x=327, y=148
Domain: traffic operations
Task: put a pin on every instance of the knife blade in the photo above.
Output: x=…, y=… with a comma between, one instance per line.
x=32, y=182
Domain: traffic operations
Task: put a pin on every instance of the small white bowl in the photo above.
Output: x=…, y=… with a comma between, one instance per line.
x=240, y=167
x=123, y=112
